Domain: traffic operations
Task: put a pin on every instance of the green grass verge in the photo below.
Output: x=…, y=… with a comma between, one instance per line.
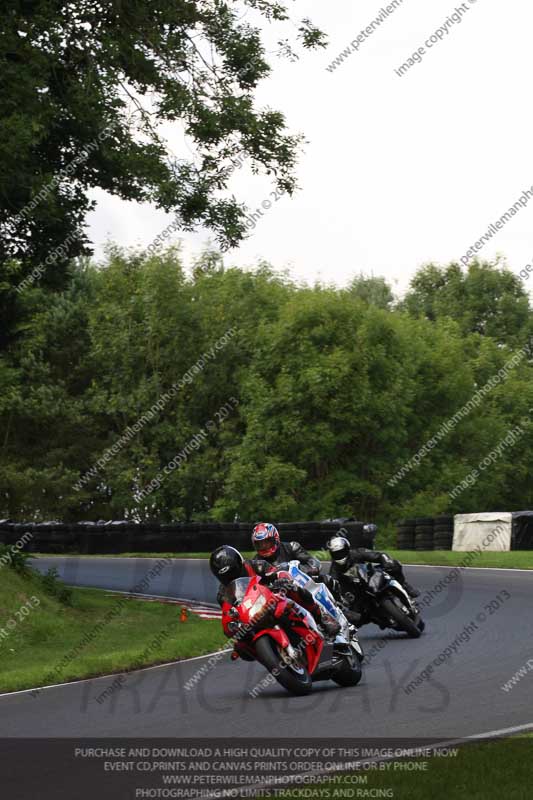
x=516, y=559
x=487, y=771
x=137, y=634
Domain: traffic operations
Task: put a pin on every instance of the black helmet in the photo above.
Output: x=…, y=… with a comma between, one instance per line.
x=339, y=547
x=226, y=564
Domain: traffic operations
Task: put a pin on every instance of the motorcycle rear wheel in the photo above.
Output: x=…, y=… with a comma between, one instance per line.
x=401, y=619
x=296, y=681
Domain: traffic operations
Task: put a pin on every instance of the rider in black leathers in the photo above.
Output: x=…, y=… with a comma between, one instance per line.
x=344, y=557
x=269, y=547
x=227, y=564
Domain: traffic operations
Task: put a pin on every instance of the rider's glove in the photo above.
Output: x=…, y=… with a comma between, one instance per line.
x=282, y=585
x=386, y=561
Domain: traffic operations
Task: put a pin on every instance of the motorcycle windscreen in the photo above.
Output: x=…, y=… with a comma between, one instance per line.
x=236, y=591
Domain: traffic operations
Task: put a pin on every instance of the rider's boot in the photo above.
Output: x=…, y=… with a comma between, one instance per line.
x=353, y=616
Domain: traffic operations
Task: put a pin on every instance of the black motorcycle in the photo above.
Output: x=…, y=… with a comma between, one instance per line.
x=370, y=594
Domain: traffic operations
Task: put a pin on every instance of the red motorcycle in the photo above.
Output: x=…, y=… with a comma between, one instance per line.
x=283, y=637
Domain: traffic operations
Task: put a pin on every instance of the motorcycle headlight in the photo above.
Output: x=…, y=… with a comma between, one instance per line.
x=257, y=608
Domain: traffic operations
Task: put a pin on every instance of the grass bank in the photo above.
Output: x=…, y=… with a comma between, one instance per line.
x=515, y=559
x=44, y=640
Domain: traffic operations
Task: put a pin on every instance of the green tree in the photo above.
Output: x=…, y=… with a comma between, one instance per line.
x=487, y=299
x=372, y=290
x=328, y=385
x=330, y=396
x=84, y=87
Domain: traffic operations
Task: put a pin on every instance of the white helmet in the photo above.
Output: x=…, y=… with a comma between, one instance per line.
x=339, y=548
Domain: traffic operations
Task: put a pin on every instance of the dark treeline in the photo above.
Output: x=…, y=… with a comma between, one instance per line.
x=308, y=409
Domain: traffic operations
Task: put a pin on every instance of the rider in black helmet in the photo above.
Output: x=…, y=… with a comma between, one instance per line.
x=343, y=557
x=227, y=564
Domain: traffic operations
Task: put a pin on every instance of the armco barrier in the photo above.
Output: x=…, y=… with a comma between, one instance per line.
x=124, y=536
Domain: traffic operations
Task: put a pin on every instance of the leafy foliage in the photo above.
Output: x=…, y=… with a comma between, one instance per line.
x=335, y=391
x=14, y=558
x=87, y=90
x=51, y=584
x=487, y=299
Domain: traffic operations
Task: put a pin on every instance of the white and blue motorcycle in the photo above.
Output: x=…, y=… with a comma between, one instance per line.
x=344, y=664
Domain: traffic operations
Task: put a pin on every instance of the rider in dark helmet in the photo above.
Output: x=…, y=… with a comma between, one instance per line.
x=343, y=557
x=227, y=564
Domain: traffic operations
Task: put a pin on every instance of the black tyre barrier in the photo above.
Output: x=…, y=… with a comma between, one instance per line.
x=443, y=542
x=424, y=531
x=405, y=542
x=423, y=545
x=124, y=536
x=119, y=536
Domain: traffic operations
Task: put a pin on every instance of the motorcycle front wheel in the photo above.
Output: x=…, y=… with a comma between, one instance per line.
x=294, y=678
x=391, y=607
x=347, y=671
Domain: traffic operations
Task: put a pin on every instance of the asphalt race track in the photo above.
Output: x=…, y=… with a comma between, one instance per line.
x=461, y=698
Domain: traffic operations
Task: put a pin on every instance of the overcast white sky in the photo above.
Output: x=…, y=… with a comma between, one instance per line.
x=397, y=171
